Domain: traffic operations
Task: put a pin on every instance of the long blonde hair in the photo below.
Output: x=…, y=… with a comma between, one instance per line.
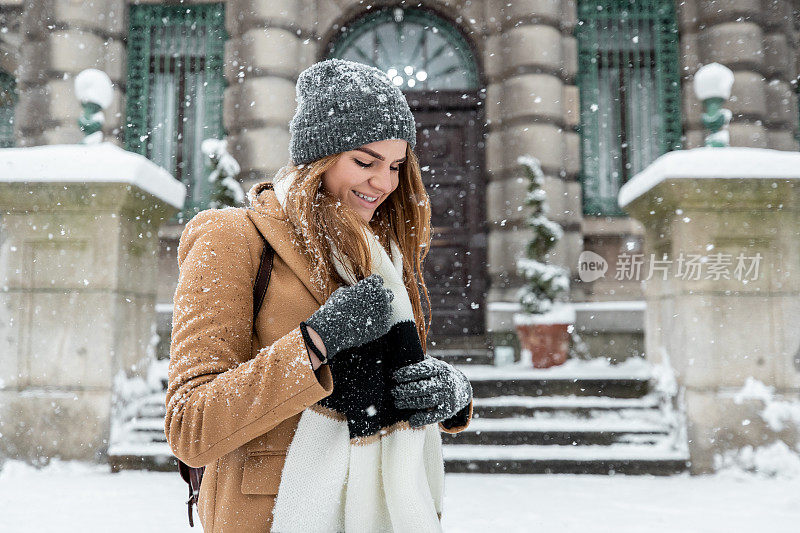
x=405, y=216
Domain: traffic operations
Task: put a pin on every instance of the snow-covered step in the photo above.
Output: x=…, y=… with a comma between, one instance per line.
x=533, y=452
x=569, y=402
x=472, y=356
x=617, y=388
x=574, y=378
x=485, y=386
x=616, y=424
x=583, y=406
x=153, y=410
x=145, y=428
x=152, y=406
x=556, y=431
x=655, y=459
x=141, y=456
x=460, y=350
x=149, y=449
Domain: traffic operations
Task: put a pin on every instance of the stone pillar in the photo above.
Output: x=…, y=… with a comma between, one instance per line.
x=60, y=39
x=532, y=107
x=725, y=326
x=78, y=265
x=755, y=39
x=270, y=44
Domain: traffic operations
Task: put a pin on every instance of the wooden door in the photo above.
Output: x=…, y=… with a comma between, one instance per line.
x=450, y=148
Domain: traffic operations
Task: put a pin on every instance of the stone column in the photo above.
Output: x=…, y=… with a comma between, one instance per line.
x=270, y=44
x=60, y=39
x=532, y=107
x=717, y=325
x=755, y=39
x=78, y=264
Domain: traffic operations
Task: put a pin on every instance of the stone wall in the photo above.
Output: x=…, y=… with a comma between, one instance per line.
x=758, y=41
x=60, y=39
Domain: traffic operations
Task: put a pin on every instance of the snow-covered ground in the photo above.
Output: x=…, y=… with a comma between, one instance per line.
x=67, y=496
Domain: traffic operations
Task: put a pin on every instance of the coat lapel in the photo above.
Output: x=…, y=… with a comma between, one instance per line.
x=268, y=216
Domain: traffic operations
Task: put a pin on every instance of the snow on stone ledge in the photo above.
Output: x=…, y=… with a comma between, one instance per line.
x=598, y=368
x=610, y=305
x=100, y=163
x=708, y=162
x=560, y=313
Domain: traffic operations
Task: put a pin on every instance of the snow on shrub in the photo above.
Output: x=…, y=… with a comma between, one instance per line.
x=545, y=283
x=226, y=190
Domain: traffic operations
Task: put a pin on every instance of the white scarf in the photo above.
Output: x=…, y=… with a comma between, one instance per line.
x=391, y=480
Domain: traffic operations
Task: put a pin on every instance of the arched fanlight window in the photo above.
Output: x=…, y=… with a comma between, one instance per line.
x=8, y=99
x=419, y=50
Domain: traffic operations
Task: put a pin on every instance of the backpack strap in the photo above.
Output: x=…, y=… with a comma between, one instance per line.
x=193, y=476
x=263, y=275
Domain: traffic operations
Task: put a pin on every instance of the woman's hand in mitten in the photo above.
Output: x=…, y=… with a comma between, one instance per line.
x=353, y=315
x=436, y=389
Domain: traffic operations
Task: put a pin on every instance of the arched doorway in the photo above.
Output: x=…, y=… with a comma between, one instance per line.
x=432, y=62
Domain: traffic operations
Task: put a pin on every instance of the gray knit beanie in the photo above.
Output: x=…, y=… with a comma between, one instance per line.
x=342, y=105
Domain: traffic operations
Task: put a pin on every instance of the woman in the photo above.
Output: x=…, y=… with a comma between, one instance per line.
x=324, y=413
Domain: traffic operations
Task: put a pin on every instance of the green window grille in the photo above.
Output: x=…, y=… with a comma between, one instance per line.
x=797, y=102
x=174, y=90
x=8, y=101
x=629, y=79
x=418, y=49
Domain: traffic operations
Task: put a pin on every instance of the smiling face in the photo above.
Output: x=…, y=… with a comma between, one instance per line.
x=364, y=177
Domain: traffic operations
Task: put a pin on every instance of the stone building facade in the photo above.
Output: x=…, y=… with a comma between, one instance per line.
x=594, y=89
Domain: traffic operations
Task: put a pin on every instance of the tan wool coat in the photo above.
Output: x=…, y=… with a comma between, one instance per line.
x=235, y=392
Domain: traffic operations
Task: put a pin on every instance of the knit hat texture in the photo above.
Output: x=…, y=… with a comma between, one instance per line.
x=342, y=105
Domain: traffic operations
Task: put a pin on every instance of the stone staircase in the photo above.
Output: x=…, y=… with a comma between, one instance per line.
x=586, y=417
x=583, y=417
x=139, y=443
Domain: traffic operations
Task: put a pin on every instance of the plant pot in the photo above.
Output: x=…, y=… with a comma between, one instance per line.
x=547, y=343
x=546, y=336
